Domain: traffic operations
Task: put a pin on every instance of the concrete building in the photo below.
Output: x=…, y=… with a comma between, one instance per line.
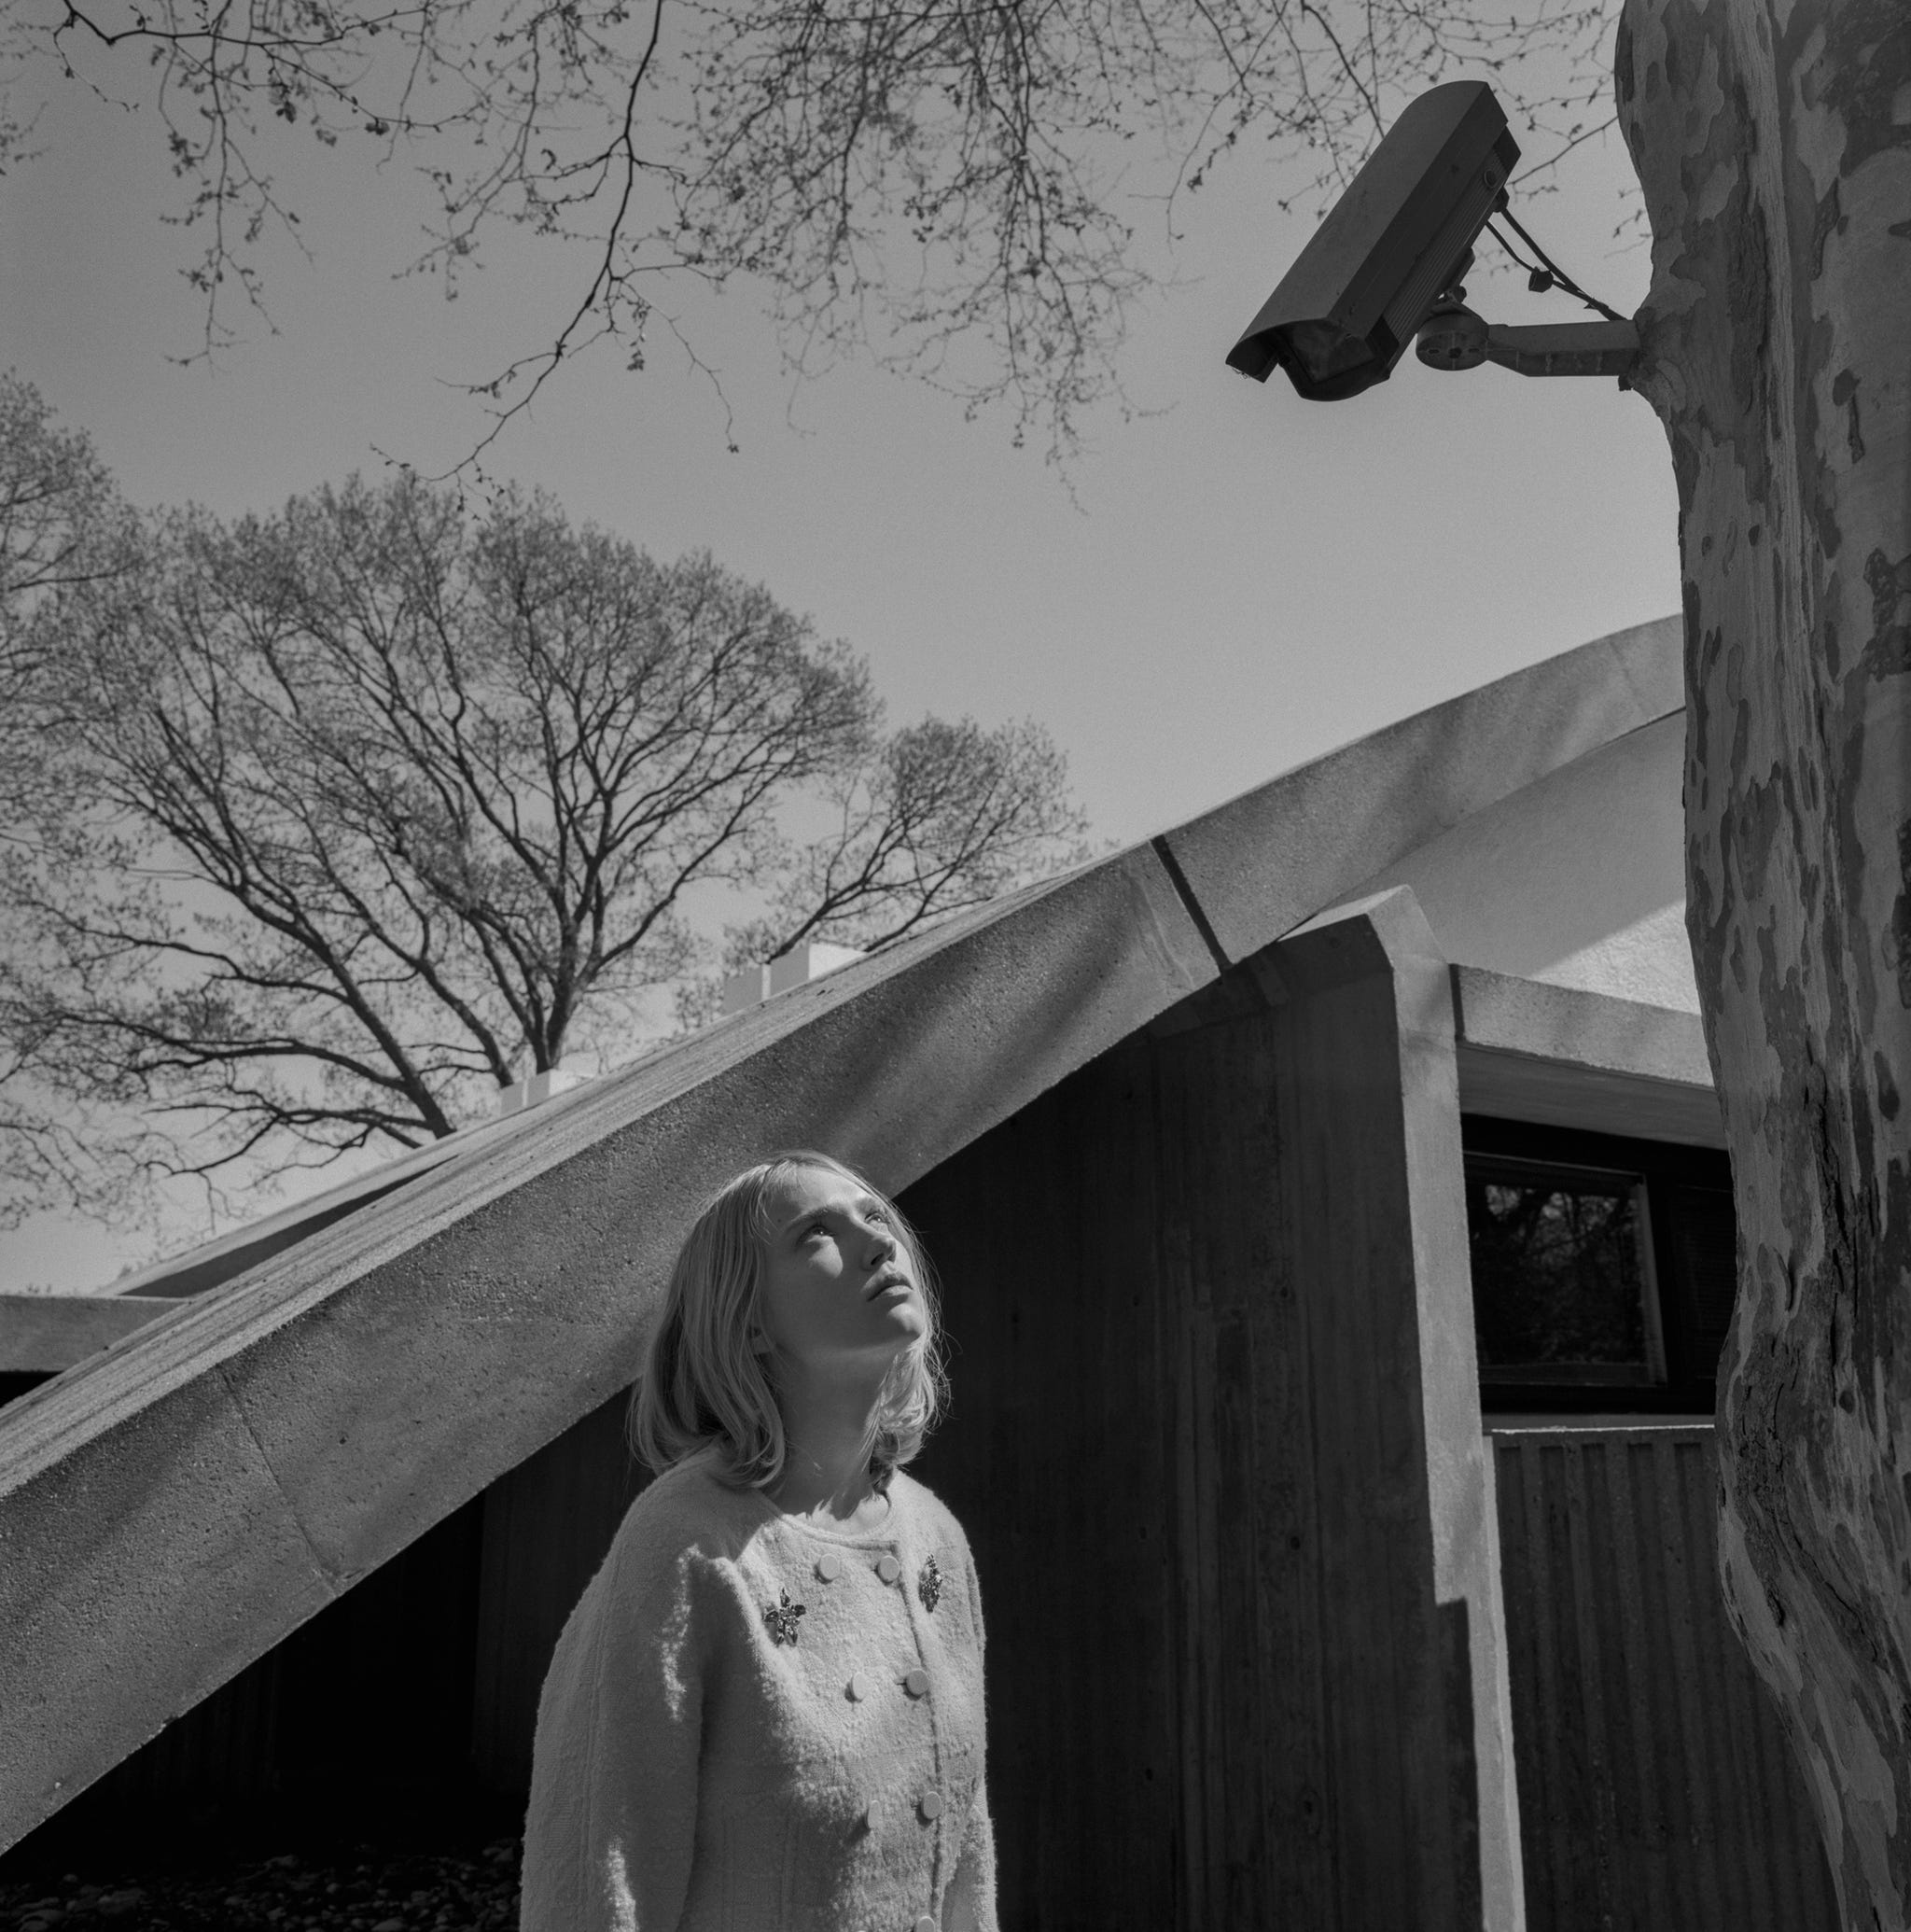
x=1335, y=1234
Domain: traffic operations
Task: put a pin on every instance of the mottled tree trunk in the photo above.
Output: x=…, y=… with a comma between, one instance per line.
x=1774, y=144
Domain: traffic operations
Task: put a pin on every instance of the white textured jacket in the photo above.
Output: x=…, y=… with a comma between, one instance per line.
x=755, y=1724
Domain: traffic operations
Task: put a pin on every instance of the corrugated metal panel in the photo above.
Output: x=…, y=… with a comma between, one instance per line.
x=1657, y=1789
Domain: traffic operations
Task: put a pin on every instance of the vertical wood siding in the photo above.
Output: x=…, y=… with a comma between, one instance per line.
x=548, y=1524
x=225, y=1747
x=1059, y=1456
x=1657, y=1789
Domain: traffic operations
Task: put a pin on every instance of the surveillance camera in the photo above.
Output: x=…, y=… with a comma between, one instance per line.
x=1399, y=237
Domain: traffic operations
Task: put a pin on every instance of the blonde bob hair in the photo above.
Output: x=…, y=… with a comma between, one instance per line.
x=705, y=1386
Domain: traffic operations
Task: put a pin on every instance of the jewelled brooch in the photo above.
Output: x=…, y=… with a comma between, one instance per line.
x=929, y=1586
x=781, y=1617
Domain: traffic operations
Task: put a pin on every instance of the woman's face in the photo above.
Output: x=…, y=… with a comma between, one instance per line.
x=837, y=1289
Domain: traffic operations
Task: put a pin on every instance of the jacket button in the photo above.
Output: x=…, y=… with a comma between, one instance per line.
x=916, y=1683
x=926, y=1924
x=828, y=1566
x=858, y=1689
x=931, y=1805
x=888, y=1569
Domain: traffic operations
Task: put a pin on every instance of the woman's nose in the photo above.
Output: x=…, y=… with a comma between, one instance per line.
x=882, y=1242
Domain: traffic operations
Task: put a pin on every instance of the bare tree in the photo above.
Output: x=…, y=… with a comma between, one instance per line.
x=63, y=526
x=1775, y=151
x=939, y=181
x=381, y=804
x=58, y=510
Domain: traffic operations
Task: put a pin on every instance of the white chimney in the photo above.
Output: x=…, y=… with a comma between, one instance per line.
x=540, y=1086
x=807, y=961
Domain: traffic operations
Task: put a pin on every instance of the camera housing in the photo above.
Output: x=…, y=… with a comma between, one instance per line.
x=1343, y=314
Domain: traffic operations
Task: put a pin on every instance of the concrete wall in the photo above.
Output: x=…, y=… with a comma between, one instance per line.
x=1578, y=880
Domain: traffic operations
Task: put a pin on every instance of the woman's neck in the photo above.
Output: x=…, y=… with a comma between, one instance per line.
x=825, y=1435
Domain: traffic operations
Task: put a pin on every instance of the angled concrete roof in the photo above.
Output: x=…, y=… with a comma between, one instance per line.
x=1577, y=880
x=173, y=1506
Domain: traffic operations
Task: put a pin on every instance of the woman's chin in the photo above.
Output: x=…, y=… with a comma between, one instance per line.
x=904, y=1323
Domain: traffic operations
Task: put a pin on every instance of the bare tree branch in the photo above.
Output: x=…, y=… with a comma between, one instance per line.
x=938, y=184
x=936, y=817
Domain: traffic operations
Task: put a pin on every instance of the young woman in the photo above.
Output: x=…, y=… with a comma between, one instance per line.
x=766, y=1711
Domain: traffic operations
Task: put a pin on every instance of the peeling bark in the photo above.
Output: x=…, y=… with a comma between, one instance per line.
x=1774, y=145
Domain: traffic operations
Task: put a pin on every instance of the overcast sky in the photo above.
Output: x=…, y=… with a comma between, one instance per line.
x=1238, y=580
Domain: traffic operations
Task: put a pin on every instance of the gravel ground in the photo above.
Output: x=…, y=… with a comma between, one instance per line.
x=361, y=1891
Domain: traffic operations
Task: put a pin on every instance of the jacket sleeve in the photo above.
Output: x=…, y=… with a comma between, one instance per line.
x=970, y=1905
x=612, y=1820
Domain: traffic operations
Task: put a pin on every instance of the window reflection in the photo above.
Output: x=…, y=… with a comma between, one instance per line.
x=1562, y=1274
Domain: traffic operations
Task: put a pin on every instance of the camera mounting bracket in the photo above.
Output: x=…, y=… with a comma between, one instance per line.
x=1564, y=348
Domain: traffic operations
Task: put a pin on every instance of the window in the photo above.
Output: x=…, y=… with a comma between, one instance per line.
x=1563, y=1286
x=1604, y=1269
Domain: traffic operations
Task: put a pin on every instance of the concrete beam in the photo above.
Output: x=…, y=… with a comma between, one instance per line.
x=1264, y=862
x=214, y=1263
x=43, y=1333
x=1564, y=1057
